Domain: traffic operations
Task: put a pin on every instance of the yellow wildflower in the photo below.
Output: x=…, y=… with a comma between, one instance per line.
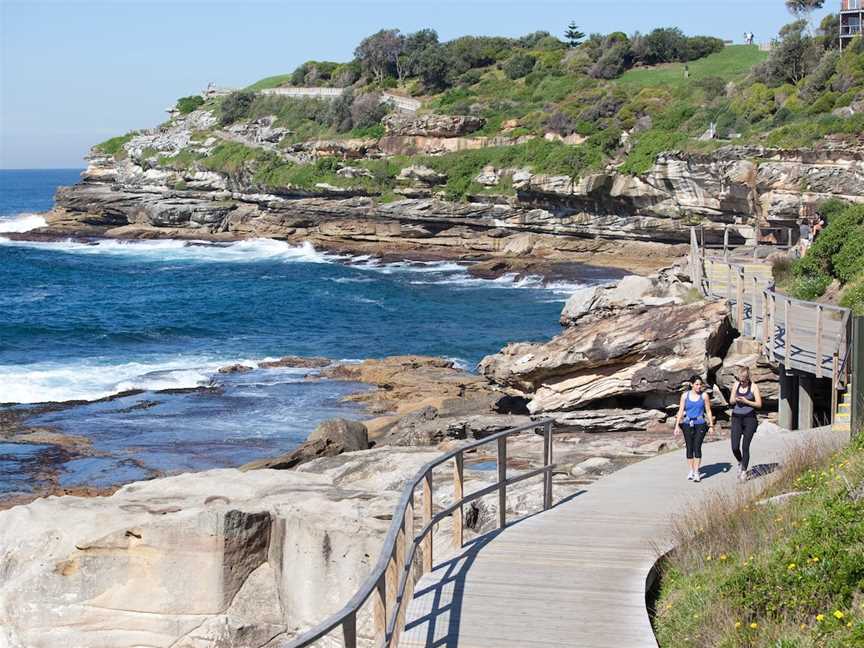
x=838, y=614
x=723, y=556
x=754, y=625
x=791, y=566
x=820, y=617
x=737, y=624
x=849, y=625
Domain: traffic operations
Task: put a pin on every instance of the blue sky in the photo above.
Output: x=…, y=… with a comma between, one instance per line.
x=75, y=73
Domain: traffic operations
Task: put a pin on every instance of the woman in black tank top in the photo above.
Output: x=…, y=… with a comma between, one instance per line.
x=745, y=400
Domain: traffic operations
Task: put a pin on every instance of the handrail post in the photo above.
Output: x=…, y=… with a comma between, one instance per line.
x=740, y=297
x=458, y=495
x=502, y=482
x=773, y=354
x=427, y=520
x=819, y=310
x=547, y=463
x=835, y=385
x=379, y=608
x=729, y=284
x=756, y=336
x=726, y=242
x=349, y=630
x=788, y=352
x=764, y=337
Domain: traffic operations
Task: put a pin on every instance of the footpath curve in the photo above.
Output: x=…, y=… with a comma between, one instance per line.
x=576, y=575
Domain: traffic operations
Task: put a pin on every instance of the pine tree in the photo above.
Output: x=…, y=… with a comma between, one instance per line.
x=573, y=35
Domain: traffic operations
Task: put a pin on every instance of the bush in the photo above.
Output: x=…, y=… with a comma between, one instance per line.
x=853, y=295
x=519, y=65
x=114, y=146
x=186, y=105
x=612, y=63
x=235, y=107
x=648, y=147
x=849, y=260
x=561, y=123
x=367, y=110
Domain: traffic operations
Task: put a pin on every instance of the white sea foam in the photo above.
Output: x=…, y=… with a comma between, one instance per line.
x=251, y=250
x=21, y=223
x=173, y=250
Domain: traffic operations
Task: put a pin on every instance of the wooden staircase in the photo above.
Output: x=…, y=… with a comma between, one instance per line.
x=843, y=418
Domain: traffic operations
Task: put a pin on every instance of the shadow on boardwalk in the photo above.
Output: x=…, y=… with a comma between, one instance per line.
x=445, y=596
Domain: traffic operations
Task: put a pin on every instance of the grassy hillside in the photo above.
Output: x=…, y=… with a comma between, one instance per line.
x=781, y=574
x=624, y=99
x=731, y=64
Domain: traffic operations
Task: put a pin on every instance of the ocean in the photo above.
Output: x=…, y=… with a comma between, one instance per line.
x=86, y=320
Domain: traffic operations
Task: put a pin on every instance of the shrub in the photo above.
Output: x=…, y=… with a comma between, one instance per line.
x=367, y=110
x=114, y=146
x=849, y=260
x=519, y=65
x=648, y=147
x=853, y=295
x=186, y=105
x=235, y=107
x=612, y=63
x=561, y=123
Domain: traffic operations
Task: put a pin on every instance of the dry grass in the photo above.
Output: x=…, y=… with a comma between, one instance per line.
x=777, y=563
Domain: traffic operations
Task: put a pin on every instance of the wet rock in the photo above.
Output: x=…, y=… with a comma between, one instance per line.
x=235, y=369
x=298, y=362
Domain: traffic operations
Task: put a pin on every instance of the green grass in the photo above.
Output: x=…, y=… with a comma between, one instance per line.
x=772, y=575
x=733, y=63
x=114, y=146
x=270, y=82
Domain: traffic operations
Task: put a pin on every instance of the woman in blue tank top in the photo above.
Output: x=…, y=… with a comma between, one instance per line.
x=693, y=421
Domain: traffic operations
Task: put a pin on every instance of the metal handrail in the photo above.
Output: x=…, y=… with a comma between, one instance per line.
x=390, y=605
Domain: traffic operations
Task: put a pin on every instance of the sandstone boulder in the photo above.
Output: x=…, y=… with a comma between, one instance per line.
x=351, y=435
x=331, y=438
x=652, y=351
x=431, y=125
x=422, y=174
x=746, y=353
x=632, y=292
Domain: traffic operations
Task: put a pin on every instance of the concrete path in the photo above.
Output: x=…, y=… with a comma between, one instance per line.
x=575, y=575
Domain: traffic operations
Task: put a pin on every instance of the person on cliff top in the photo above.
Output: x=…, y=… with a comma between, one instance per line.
x=693, y=421
x=745, y=400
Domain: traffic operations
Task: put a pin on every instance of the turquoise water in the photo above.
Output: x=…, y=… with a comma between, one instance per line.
x=85, y=320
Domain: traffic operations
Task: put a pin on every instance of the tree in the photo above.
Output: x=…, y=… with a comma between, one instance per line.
x=433, y=68
x=379, y=53
x=803, y=7
x=236, y=106
x=408, y=60
x=828, y=33
x=573, y=35
x=794, y=56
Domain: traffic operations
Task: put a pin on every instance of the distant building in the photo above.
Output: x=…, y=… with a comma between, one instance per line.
x=851, y=20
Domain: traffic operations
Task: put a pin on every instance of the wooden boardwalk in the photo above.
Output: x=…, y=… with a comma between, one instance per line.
x=576, y=575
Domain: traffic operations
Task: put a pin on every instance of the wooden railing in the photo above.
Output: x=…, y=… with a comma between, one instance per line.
x=801, y=335
x=390, y=585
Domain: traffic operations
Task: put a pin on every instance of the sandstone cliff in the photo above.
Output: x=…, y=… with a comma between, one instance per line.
x=143, y=191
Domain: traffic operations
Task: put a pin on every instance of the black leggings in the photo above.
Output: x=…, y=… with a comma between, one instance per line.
x=693, y=438
x=743, y=429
